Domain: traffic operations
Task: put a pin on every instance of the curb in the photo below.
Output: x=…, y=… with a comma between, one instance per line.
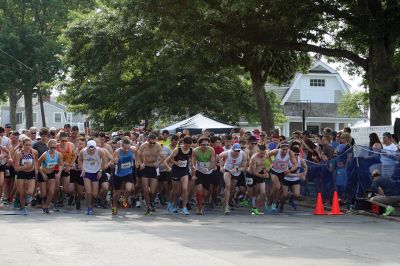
x=358, y=212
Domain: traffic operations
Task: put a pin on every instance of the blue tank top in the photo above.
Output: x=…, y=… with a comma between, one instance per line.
x=50, y=162
x=125, y=163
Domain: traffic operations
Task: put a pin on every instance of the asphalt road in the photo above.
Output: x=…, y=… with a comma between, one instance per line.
x=292, y=238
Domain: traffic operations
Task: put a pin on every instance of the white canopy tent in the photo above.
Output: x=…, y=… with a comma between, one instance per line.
x=196, y=123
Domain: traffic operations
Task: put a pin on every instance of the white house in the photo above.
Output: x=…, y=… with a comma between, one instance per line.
x=318, y=93
x=56, y=115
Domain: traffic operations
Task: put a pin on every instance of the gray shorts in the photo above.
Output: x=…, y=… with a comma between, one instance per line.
x=387, y=200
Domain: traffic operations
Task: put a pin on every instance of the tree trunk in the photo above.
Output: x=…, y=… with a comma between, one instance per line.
x=13, y=98
x=381, y=78
x=28, y=108
x=263, y=105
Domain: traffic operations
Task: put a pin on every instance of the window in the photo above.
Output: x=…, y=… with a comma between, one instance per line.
x=68, y=117
x=19, y=118
x=317, y=82
x=57, y=117
x=35, y=117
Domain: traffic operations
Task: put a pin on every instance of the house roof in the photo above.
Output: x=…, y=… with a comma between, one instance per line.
x=54, y=103
x=284, y=92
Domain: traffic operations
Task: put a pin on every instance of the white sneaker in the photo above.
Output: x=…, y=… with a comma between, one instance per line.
x=138, y=204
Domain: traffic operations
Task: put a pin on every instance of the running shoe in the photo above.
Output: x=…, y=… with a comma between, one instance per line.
x=388, y=211
x=89, y=211
x=147, y=212
x=61, y=203
x=256, y=211
x=169, y=207
x=6, y=201
x=245, y=203
x=125, y=204
x=273, y=208
x=185, y=211
x=114, y=211
x=46, y=210
x=16, y=203
x=152, y=207
x=174, y=210
x=70, y=200
x=188, y=206
x=24, y=211
x=227, y=210
x=138, y=204
x=78, y=204
x=199, y=211
x=292, y=203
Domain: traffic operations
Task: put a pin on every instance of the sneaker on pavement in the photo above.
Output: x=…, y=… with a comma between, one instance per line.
x=388, y=211
x=185, y=211
x=147, y=212
x=114, y=211
x=78, y=204
x=227, y=210
x=138, y=204
x=46, y=210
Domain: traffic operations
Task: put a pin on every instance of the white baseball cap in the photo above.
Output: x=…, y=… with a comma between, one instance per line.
x=91, y=144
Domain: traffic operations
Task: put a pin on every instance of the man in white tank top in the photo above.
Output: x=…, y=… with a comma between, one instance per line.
x=280, y=168
x=233, y=163
x=91, y=160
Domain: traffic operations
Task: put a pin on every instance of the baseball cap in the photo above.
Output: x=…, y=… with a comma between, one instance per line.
x=333, y=133
x=284, y=143
x=7, y=126
x=236, y=147
x=91, y=144
x=306, y=133
x=114, y=134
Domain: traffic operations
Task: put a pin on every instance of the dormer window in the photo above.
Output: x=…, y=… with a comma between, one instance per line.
x=317, y=82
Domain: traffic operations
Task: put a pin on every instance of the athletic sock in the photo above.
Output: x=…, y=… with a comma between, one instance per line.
x=199, y=197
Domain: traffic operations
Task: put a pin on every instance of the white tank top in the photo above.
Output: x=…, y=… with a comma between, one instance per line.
x=279, y=164
x=299, y=167
x=91, y=163
x=232, y=163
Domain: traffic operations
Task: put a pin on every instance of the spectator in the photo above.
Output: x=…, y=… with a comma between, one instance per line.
x=327, y=147
x=388, y=158
x=7, y=130
x=67, y=128
x=348, y=130
x=308, y=145
x=387, y=190
x=334, y=142
x=373, y=157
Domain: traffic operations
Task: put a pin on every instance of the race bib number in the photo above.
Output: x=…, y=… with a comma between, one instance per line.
x=182, y=163
x=158, y=171
x=51, y=165
x=281, y=165
x=249, y=181
x=126, y=165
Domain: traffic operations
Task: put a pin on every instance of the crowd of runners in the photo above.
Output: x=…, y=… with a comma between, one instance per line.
x=128, y=169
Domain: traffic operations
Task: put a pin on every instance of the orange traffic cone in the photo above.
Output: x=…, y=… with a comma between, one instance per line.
x=319, y=206
x=335, y=205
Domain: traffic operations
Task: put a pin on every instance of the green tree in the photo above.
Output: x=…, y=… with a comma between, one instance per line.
x=121, y=71
x=219, y=30
x=28, y=32
x=354, y=104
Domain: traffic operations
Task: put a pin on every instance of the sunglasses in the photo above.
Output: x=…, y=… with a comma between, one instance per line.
x=152, y=143
x=53, y=148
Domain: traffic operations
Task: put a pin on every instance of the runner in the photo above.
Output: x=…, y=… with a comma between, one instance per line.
x=227, y=141
x=124, y=158
x=76, y=174
x=234, y=163
x=204, y=159
x=164, y=179
x=91, y=160
x=217, y=176
x=256, y=176
x=73, y=136
x=149, y=156
x=9, y=184
x=27, y=168
x=292, y=180
x=280, y=167
x=251, y=149
x=180, y=160
x=104, y=181
x=67, y=149
x=4, y=157
x=47, y=175
x=41, y=147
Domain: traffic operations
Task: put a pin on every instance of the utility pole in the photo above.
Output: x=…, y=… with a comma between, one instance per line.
x=40, y=95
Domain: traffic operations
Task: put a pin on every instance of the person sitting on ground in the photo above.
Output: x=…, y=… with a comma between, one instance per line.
x=387, y=190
